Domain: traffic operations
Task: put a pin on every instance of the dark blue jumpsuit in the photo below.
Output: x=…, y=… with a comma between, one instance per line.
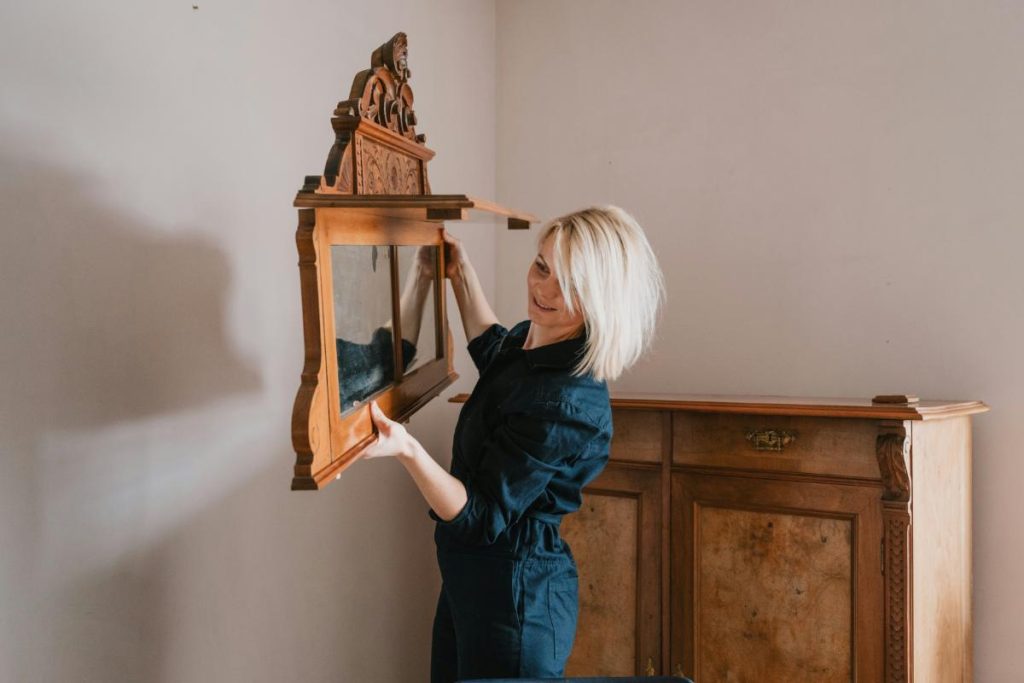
x=527, y=441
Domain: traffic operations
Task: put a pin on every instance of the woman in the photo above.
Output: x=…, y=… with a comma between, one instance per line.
x=533, y=433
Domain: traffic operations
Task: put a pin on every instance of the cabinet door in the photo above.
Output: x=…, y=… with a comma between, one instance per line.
x=775, y=579
x=616, y=540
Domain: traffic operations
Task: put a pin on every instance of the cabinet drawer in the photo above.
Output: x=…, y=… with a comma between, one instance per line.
x=813, y=445
x=638, y=435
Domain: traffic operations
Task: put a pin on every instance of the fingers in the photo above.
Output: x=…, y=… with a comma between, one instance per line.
x=379, y=418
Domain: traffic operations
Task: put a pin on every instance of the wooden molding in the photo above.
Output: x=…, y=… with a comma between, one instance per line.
x=787, y=405
x=894, y=464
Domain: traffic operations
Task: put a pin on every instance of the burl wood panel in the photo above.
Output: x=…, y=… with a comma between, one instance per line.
x=941, y=531
x=827, y=446
x=604, y=537
x=806, y=555
x=638, y=435
x=775, y=596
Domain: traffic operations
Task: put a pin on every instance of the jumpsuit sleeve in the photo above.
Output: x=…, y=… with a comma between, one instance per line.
x=534, y=442
x=483, y=347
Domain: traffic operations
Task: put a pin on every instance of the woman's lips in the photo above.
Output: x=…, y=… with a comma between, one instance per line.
x=540, y=306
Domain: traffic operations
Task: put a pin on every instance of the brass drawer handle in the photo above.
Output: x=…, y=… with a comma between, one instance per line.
x=770, y=439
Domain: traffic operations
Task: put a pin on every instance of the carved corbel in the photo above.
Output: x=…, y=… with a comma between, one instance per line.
x=892, y=449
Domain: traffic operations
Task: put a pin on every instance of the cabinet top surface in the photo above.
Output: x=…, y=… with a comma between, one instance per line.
x=798, y=405
x=789, y=405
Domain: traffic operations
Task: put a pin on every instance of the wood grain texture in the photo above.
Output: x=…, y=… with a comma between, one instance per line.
x=605, y=538
x=715, y=633
x=638, y=436
x=941, y=542
x=776, y=595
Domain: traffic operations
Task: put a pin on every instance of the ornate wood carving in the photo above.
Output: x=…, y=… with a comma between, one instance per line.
x=377, y=149
x=892, y=450
x=382, y=93
x=383, y=171
x=896, y=563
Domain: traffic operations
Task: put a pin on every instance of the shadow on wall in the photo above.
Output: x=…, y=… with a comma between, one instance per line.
x=116, y=565
x=234, y=593
x=105, y=320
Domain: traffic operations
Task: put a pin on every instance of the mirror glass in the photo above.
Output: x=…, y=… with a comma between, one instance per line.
x=361, y=277
x=417, y=274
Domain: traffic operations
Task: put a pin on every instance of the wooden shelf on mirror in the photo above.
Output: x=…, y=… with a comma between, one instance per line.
x=430, y=207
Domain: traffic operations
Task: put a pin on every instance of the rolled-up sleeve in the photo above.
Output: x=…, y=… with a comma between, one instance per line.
x=483, y=347
x=534, y=442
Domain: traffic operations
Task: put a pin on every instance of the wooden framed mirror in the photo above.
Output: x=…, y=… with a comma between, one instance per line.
x=371, y=268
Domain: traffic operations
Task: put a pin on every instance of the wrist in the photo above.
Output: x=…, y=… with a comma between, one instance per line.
x=410, y=452
x=459, y=271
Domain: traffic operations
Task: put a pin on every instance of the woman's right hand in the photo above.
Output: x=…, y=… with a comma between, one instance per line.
x=454, y=256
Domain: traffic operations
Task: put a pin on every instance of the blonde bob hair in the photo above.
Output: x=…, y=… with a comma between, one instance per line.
x=604, y=262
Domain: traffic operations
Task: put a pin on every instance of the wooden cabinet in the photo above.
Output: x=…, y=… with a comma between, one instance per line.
x=778, y=539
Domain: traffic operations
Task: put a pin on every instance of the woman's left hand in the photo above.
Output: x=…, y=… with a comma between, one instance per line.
x=392, y=438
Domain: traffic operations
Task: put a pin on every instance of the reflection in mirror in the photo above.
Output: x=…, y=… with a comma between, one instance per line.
x=361, y=276
x=417, y=275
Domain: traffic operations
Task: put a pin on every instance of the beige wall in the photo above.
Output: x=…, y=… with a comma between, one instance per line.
x=830, y=188
x=833, y=190
x=151, y=344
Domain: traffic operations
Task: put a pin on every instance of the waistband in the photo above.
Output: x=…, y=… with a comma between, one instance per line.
x=544, y=516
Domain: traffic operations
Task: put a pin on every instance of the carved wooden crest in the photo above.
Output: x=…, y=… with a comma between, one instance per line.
x=376, y=148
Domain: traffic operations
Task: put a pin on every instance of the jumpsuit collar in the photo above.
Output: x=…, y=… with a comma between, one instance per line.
x=563, y=354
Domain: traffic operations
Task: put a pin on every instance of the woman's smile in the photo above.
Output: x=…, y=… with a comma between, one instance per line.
x=540, y=306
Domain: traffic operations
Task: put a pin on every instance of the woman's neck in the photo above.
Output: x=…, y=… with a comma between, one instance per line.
x=542, y=335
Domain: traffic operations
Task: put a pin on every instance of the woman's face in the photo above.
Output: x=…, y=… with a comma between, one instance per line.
x=546, y=304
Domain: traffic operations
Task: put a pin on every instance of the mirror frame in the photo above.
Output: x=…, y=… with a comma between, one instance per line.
x=326, y=441
x=374, y=191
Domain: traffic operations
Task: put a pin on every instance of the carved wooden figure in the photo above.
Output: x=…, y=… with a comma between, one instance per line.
x=371, y=269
